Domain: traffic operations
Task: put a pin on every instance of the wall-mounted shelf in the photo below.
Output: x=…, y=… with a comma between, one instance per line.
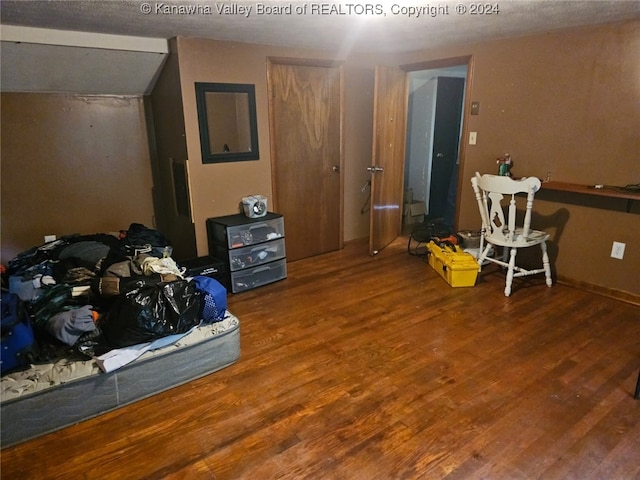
x=605, y=191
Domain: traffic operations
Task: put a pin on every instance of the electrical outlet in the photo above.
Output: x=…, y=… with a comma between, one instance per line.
x=49, y=238
x=617, y=250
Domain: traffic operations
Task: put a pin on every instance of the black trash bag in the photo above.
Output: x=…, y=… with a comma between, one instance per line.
x=150, y=312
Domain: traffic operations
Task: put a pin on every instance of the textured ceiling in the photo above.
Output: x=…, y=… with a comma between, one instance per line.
x=36, y=61
x=340, y=26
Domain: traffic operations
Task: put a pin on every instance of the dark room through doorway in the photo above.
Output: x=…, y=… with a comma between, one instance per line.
x=434, y=127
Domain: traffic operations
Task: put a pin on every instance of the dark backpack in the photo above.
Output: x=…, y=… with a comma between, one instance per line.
x=140, y=239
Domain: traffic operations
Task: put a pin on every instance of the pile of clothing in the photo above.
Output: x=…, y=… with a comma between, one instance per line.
x=95, y=293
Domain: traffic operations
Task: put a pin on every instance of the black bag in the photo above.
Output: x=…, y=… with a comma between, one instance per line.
x=140, y=239
x=149, y=312
x=423, y=233
x=18, y=345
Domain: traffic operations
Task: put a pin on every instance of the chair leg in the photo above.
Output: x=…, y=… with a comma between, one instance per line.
x=481, y=251
x=637, y=394
x=512, y=264
x=483, y=255
x=545, y=263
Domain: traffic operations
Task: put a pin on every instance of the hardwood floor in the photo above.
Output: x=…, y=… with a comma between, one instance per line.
x=359, y=367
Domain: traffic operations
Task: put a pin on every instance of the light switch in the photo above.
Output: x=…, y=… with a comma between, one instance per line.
x=473, y=136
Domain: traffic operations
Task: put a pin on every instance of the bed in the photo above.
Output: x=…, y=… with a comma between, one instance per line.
x=48, y=397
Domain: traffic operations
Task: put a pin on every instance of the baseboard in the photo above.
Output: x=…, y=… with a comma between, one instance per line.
x=600, y=290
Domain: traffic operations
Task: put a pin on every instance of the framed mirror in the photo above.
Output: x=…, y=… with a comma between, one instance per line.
x=227, y=121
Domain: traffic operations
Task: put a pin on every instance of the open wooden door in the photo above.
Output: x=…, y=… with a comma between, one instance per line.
x=387, y=169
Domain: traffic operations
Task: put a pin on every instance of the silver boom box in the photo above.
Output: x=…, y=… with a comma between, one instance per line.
x=254, y=206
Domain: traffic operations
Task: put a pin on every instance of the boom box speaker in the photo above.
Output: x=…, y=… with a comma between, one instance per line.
x=254, y=206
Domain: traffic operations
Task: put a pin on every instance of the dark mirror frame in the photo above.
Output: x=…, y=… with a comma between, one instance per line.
x=203, y=122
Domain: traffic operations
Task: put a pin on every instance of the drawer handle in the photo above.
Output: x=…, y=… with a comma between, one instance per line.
x=261, y=269
x=258, y=225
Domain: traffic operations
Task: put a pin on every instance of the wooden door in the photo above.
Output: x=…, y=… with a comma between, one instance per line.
x=306, y=131
x=387, y=169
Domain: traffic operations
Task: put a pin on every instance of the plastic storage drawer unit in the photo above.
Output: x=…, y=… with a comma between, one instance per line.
x=253, y=249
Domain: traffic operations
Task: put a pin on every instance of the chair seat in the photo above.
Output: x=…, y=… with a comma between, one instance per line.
x=535, y=237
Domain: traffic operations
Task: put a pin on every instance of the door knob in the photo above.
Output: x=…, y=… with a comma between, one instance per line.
x=335, y=168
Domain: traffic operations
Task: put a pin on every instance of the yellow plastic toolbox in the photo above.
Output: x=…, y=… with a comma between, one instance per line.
x=458, y=268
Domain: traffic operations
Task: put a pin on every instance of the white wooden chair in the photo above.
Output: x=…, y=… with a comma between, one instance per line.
x=495, y=194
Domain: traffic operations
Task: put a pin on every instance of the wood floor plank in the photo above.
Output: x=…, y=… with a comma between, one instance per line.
x=359, y=367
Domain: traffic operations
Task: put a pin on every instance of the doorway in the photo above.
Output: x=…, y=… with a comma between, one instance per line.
x=432, y=161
